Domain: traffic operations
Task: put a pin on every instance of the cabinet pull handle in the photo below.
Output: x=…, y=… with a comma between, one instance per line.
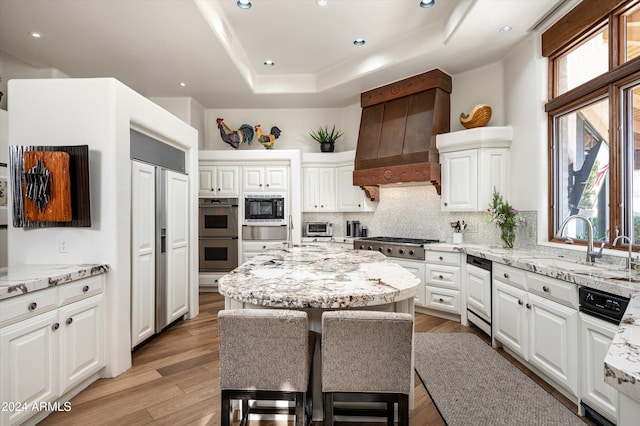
x=69, y=321
x=55, y=326
x=33, y=306
x=506, y=275
x=528, y=306
x=519, y=302
x=545, y=289
x=85, y=289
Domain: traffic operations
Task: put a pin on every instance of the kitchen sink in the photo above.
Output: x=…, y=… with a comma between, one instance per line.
x=560, y=263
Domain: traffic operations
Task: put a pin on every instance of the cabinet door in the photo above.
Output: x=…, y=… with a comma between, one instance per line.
x=252, y=178
x=479, y=291
x=81, y=341
x=177, y=245
x=143, y=252
x=553, y=343
x=510, y=317
x=276, y=178
x=227, y=181
x=206, y=180
x=29, y=364
x=459, y=180
x=310, y=189
x=417, y=269
x=595, y=338
x=327, y=193
x=493, y=172
x=350, y=197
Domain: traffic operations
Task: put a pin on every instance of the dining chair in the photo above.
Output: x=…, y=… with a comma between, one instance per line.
x=265, y=354
x=366, y=357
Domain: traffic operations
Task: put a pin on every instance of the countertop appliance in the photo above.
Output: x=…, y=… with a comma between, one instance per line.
x=318, y=229
x=265, y=209
x=404, y=248
x=218, y=234
x=478, y=283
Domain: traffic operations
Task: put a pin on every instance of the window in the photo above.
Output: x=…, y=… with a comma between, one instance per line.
x=594, y=120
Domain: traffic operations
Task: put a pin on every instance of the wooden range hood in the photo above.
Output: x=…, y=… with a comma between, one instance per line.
x=398, y=128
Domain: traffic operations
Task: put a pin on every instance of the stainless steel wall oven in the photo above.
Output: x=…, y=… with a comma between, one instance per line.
x=218, y=234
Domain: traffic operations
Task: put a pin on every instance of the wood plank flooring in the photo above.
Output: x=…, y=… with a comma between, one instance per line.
x=174, y=380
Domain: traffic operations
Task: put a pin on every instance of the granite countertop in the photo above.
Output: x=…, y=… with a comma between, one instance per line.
x=22, y=279
x=622, y=363
x=318, y=277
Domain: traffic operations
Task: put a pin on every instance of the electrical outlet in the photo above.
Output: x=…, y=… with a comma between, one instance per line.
x=62, y=246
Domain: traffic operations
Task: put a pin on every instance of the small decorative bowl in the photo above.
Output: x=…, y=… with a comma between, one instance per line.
x=479, y=116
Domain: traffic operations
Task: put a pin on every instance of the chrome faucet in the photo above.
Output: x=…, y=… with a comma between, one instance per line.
x=591, y=253
x=624, y=237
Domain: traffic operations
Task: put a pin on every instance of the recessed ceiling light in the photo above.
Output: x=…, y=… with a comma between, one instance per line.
x=506, y=29
x=183, y=84
x=322, y=2
x=359, y=41
x=244, y=4
x=35, y=34
x=269, y=63
x=427, y=3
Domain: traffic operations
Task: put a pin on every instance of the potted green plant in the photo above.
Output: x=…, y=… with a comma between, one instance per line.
x=326, y=137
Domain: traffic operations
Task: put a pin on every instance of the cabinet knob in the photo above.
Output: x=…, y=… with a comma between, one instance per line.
x=506, y=275
x=33, y=306
x=440, y=276
x=528, y=306
x=55, y=326
x=69, y=321
x=519, y=302
x=212, y=190
x=215, y=281
x=264, y=247
x=218, y=189
x=260, y=185
x=322, y=206
x=446, y=204
x=545, y=289
x=359, y=205
x=441, y=300
x=85, y=289
x=315, y=206
x=441, y=258
x=267, y=185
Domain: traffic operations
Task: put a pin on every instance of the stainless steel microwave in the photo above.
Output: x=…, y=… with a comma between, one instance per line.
x=264, y=209
x=318, y=229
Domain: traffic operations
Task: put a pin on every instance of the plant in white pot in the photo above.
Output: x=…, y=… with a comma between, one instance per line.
x=326, y=137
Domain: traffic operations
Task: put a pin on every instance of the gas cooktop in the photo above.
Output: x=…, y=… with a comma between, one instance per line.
x=405, y=248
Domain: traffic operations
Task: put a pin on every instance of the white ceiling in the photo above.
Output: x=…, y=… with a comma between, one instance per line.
x=218, y=49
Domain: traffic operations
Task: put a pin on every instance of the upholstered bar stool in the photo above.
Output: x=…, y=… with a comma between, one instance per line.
x=366, y=357
x=265, y=354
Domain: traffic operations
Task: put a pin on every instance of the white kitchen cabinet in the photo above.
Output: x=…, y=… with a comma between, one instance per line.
x=82, y=351
x=474, y=163
x=540, y=330
x=417, y=268
x=253, y=248
x=595, y=338
x=350, y=198
x=264, y=179
x=218, y=180
x=53, y=341
x=553, y=340
x=442, y=282
x=177, y=245
x=319, y=189
x=208, y=281
x=143, y=251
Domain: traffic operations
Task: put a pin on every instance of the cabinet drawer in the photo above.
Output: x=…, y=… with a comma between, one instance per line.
x=510, y=275
x=443, y=299
x=443, y=276
x=442, y=258
x=553, y=289
x=27, y=305
x=262, y=245
x=80, y=289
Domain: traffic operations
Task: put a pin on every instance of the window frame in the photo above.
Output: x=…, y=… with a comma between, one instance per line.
x=576, y=27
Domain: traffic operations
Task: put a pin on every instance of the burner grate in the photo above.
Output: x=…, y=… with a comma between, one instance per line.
x=401, y=240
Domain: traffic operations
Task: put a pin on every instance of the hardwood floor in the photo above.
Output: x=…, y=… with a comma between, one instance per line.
x=174, y=380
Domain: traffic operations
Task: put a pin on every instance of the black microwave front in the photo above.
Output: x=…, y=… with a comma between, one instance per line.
x=264, y=209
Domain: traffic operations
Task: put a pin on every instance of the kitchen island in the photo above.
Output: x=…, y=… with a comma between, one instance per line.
x=315, y=279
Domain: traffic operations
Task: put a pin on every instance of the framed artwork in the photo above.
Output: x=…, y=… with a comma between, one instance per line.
x=4, y=194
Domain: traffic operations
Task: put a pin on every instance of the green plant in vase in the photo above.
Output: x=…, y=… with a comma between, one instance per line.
x=505, y=217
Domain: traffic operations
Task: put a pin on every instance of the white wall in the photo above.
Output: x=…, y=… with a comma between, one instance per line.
x=295, y=125
x=186, y=109
x=98, y=113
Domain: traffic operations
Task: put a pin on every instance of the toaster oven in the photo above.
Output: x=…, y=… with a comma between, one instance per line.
x=318, y=229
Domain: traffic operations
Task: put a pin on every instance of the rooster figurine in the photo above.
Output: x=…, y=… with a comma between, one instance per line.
x=234, y=137
x=267, y=140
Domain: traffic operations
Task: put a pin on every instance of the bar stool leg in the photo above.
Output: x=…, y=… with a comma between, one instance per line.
x=327, y=409
x=403, y=410
x=225, y=413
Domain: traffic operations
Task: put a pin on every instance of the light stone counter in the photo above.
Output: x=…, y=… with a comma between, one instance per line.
x=22, y=279
x=318, y=277
x=622, y=363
